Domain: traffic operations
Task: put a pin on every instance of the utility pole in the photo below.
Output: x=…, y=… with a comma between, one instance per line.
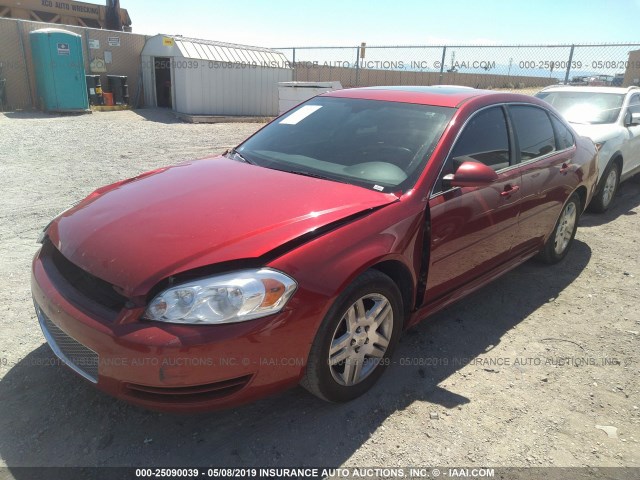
x=113, y=21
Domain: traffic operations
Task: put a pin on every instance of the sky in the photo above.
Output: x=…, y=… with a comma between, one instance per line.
x=288, y=23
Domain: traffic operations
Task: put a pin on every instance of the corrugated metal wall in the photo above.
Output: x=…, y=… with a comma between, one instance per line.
x=148, y=87
x=15, y=48
x=246, y=84
x=228, y=91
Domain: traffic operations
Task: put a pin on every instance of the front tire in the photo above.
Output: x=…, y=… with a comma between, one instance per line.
x=604, y=198
x=561, y=238
x=356, y=339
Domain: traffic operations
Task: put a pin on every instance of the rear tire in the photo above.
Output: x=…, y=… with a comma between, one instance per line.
x=356, y=339
x=610, y=182
x=561, y=238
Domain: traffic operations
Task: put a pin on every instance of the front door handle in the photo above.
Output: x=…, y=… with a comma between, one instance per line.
x=509, y=190
x=564, y=168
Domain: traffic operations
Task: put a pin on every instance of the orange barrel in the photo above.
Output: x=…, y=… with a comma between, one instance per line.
x=108, y=98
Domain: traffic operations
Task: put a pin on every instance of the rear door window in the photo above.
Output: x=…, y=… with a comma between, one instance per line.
x=533, y=130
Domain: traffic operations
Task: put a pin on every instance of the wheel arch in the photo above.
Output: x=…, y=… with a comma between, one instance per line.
x=616, y=158
x=399, y=273
x=597, y=202
x=582, y=194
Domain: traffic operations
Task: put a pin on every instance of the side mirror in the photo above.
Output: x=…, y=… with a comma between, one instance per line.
x=635, y=119
x=472, y=174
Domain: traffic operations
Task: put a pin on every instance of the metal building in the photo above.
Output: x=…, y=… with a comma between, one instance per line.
x=203, y=77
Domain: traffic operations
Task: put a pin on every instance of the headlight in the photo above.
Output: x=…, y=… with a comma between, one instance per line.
x=234, y=297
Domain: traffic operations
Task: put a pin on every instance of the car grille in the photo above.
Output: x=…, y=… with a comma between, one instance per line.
x=189, y=394
x=81, y=288
x=79, y=358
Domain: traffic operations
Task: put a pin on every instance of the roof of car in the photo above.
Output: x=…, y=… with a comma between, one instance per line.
x=437, y=95
x=587, y=88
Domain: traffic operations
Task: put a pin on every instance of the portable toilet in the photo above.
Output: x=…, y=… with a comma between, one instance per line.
x=59, y=67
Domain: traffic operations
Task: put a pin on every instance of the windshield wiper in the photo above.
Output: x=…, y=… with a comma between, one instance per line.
x=356, y=182
x=235, y=155
x=314, y=175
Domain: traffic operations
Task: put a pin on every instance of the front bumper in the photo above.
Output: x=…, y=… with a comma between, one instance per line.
x=172, y=367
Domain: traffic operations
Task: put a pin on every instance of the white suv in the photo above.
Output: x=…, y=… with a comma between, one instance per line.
x=610, y=116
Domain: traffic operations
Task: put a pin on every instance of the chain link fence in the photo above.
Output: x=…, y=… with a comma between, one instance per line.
x=520, y=68
x=507, y=67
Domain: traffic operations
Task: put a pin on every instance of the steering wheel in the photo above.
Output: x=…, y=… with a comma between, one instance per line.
x=396, y=148
x=396, y=154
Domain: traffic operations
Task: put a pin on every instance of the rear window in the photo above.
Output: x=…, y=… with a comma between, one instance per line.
x=564, y=138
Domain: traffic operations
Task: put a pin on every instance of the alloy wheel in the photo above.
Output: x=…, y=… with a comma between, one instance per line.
x=609, y=187
x=565, y=228
x=361, y=339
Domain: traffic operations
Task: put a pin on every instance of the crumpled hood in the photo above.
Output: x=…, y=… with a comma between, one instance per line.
x=137, y=232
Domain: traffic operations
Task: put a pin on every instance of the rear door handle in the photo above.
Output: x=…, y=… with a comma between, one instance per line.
x=509, y=190
x=564, y=168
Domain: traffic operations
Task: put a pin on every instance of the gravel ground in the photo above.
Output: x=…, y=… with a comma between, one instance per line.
x=519, y=374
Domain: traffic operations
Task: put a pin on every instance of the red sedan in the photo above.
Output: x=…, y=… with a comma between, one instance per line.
x=302, y=254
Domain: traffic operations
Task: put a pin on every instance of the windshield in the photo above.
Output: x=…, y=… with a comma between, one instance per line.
x=375, y=144
x=585, y=107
